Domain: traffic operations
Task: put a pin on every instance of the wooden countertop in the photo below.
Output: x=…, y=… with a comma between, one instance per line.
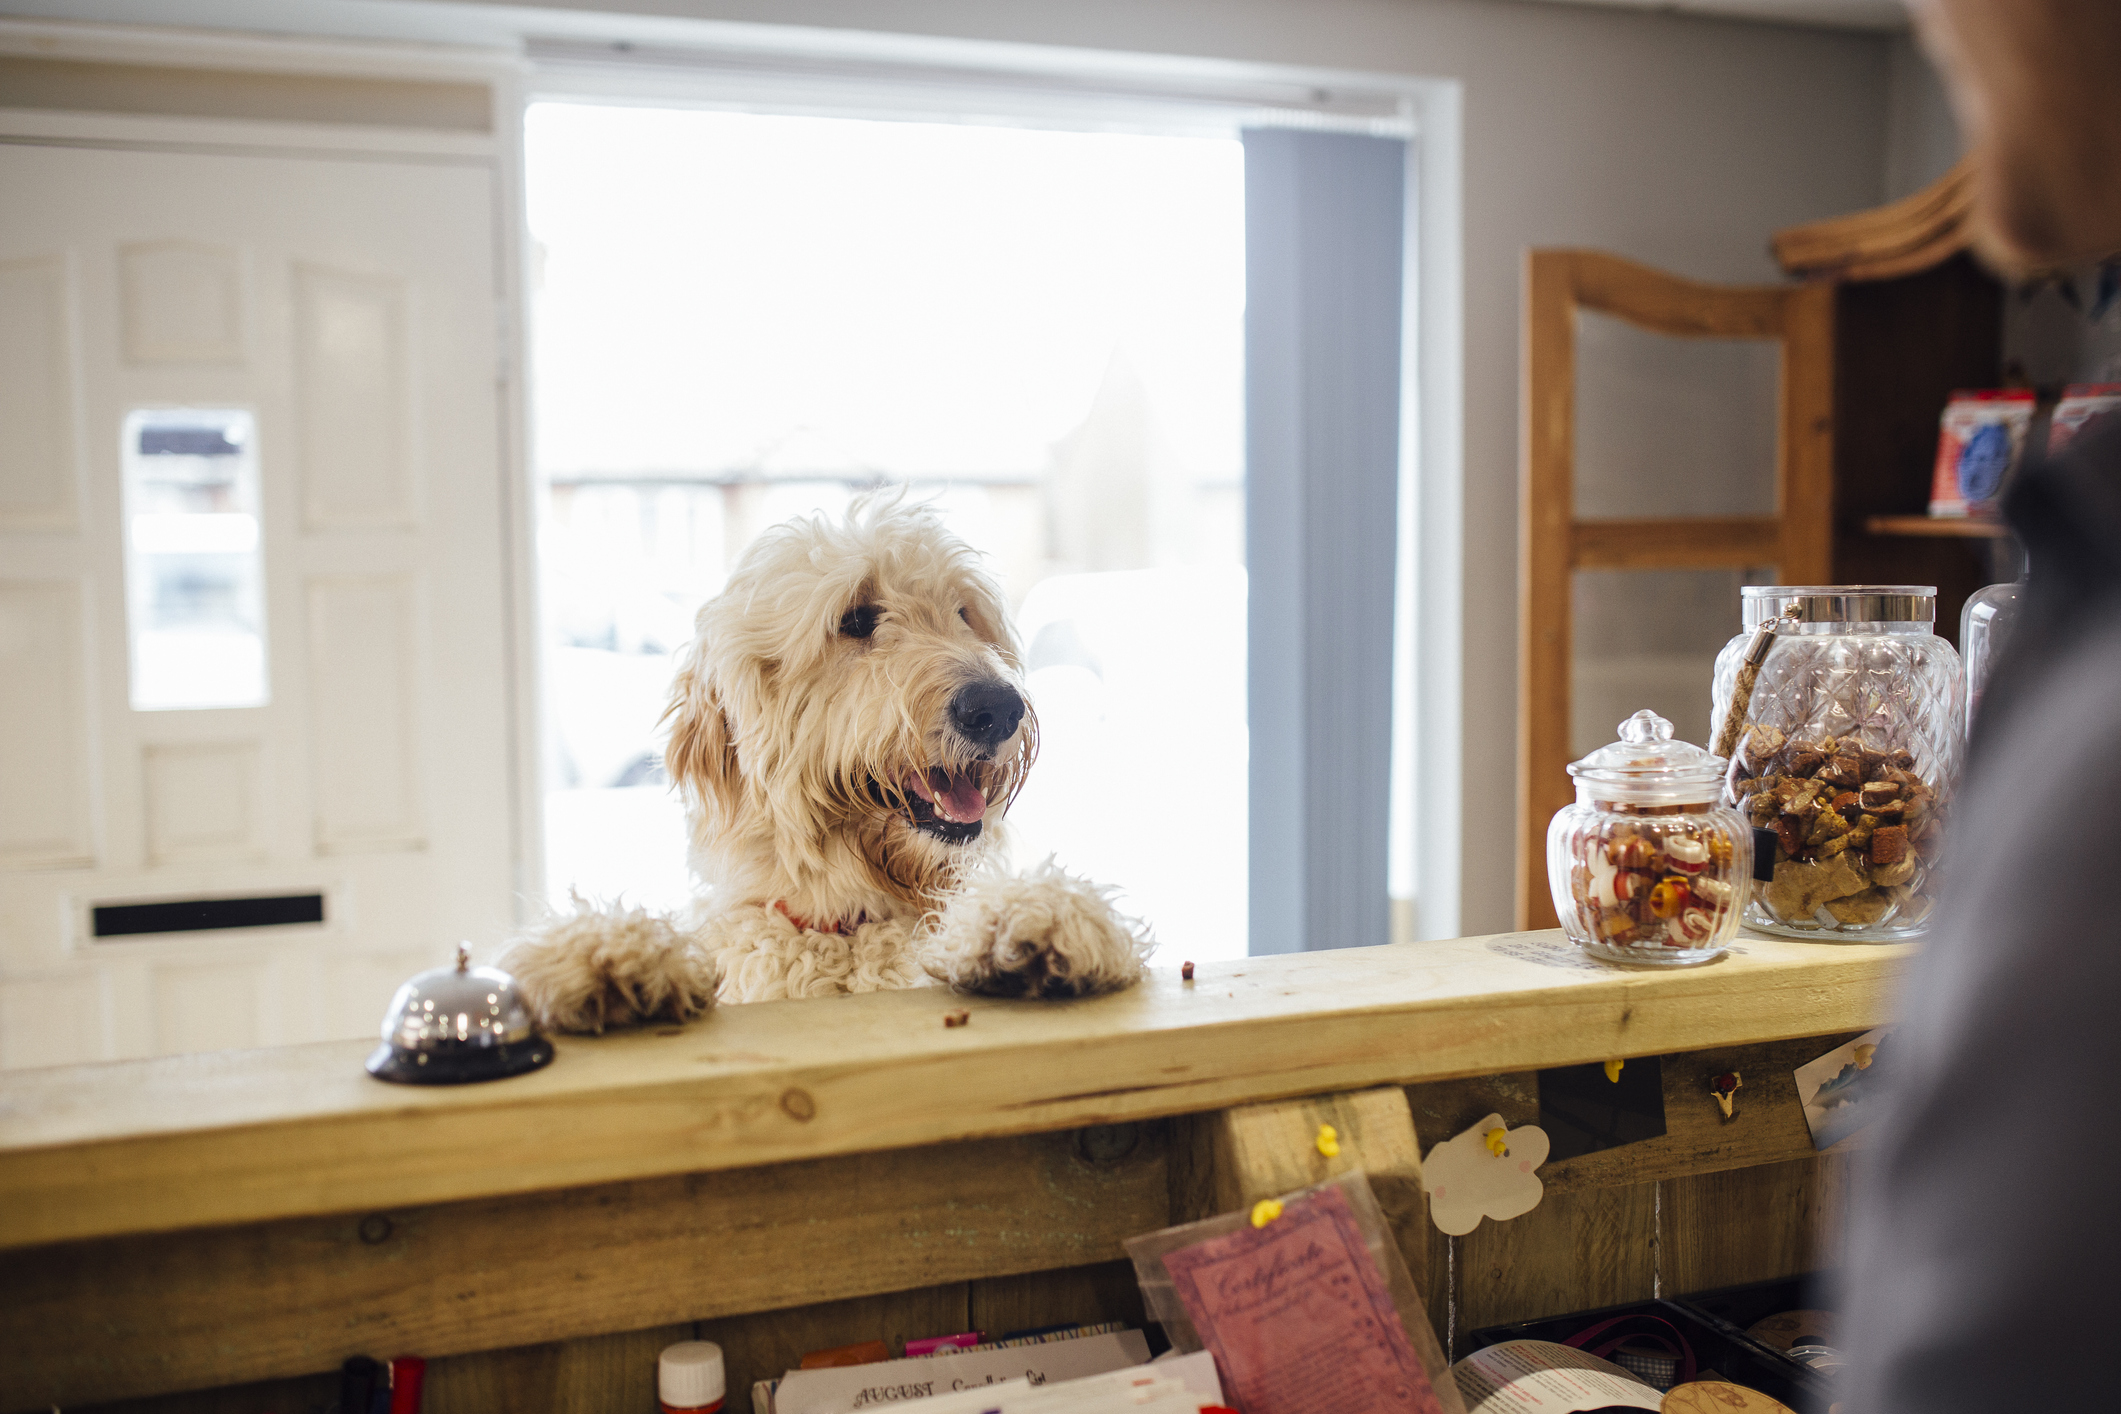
x=191, y=1141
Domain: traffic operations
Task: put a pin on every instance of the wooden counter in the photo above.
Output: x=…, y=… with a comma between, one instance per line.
x=740, y=1164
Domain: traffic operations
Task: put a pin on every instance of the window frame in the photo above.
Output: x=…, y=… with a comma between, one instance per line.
x=909, y=78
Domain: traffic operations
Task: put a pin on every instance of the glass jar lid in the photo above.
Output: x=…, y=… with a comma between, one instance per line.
x=1647, y=767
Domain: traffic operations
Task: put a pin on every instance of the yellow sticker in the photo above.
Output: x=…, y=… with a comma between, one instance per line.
x=1266, y=1210
x=1612, y=1070
x=1499, y=1143
x=1328, y=1141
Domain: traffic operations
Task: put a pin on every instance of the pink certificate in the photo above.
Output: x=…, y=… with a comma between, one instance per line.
x=1299, y=1316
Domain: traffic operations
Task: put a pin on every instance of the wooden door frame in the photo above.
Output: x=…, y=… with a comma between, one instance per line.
x=1554, y=542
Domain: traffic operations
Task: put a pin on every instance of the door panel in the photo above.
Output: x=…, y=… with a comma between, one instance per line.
x=38, y=395
x=353, y=403
x=44, y=714
x=206, y=802
x=347, y=308
x=364, y=722
x=181, y=302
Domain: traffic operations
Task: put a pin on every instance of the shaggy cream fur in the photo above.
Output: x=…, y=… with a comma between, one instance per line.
x=598, y=967
x=846, y=824
x=1045, y=933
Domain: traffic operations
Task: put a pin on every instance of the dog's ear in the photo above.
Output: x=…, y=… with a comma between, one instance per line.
x=701, y=756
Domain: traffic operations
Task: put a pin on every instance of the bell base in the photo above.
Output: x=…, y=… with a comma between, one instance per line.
x=387, y=1062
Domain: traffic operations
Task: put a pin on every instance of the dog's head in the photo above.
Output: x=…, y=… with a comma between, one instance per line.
x=852, y=704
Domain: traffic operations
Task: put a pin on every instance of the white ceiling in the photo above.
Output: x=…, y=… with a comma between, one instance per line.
x=1848, y=14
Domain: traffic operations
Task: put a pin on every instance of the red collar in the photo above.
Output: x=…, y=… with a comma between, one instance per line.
x=841, y=927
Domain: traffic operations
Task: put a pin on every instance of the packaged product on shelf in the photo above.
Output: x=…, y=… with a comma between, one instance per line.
x=1305, y=1302
x=1979, y=444
x=1062, y=1353
x=2082, y=404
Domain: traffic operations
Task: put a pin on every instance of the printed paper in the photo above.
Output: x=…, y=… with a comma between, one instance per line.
x=1299, y=1317
x=1839, y=1090
x=896, y=1381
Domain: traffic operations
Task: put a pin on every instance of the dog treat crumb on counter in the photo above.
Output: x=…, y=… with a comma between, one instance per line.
x=1185, y=972
x=956, y=1018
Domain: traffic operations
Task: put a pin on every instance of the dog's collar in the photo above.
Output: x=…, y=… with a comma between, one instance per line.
x=841, y=927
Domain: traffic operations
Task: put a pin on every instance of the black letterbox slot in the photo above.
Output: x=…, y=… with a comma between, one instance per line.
x=121, y=920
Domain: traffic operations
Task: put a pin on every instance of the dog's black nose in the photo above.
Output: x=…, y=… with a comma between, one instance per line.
x=986, y=713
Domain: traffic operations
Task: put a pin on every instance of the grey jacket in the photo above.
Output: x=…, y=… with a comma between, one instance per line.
x=1984, y=1268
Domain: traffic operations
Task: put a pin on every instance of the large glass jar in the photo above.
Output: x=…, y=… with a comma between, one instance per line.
x=1647, y=866
x=1847, y=757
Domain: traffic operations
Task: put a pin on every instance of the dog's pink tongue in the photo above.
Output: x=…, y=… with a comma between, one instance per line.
x=955, y=796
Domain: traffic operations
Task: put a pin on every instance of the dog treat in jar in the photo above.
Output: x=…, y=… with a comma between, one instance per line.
x=1649, y=866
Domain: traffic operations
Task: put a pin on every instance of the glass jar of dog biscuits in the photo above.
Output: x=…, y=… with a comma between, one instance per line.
x=1843, y=755
x=1649, y=866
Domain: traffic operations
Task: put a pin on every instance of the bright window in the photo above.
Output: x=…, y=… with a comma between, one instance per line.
x=194, y=569
x=742, y=317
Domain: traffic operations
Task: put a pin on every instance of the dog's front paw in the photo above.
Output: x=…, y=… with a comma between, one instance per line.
x=599, y=967
x=1046, y=934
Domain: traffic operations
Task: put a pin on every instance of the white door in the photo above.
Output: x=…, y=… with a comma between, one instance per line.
x=255, y=700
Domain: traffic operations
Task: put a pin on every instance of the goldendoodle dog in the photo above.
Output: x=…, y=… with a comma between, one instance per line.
x=847, y=728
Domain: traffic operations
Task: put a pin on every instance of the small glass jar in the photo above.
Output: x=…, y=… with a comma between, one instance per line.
x=1848, y=755
x=1985, y=625
x=1648, y=866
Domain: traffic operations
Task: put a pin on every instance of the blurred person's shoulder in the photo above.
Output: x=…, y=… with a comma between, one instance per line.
x=2066, y=512
x=2035, y=835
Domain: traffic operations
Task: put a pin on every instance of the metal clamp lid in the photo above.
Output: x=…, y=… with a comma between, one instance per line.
x=1840, y=603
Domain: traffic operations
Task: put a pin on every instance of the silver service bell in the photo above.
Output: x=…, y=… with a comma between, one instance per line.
x=456, y=1025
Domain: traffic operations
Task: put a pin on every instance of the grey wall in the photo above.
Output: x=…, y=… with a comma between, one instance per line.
x=1678, y=141
x=1921, y=135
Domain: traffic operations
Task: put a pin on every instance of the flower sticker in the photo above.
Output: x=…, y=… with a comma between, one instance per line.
x=1489, y=1171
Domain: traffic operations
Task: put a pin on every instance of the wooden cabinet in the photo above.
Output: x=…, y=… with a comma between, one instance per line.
x=1915, y=317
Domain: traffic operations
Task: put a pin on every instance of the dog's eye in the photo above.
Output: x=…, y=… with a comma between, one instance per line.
x=859, y=621
x=966, y=617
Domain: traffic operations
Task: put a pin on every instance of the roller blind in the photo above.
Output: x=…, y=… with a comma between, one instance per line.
x=1325, y=258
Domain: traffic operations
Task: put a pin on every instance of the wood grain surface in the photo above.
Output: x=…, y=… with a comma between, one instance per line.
x=1574, y=1252
x=190, y=1309
x=1766, y=1125
x=245, y=1137
x=1748, y=1225
x=1886, y=242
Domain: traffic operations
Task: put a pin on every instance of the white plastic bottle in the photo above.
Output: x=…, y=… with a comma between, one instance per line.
x=689, y=1378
